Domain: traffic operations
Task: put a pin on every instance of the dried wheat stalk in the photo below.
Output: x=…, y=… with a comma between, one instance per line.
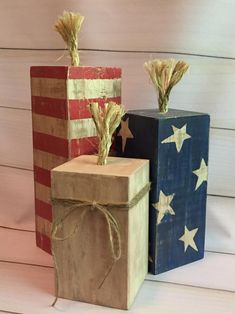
x=106, y=120
x=68, y=26
x=165, y=74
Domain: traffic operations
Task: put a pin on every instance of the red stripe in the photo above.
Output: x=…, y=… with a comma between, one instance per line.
x=43, y=209
x=94, y=73
x=51, y=107
x=51, y=144
x=57, y=108
x=42, y=176
x=62, y=72
x=43, y=242
x=84, y=146
x=78, y=109
x=59, y=72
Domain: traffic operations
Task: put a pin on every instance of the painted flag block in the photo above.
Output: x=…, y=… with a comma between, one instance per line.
x=62, y=125
x=176, y=143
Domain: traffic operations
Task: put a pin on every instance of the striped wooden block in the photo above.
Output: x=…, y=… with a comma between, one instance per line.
x=62, y=125
x=177, y=145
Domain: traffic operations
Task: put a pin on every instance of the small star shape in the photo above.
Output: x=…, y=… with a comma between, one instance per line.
x=163, y=206
x=201, y=173
x=178, y=137
x=188, y=238
x=125, y=133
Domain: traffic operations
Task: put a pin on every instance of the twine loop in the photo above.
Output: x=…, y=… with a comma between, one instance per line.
x=112, y=224
x=94, y=204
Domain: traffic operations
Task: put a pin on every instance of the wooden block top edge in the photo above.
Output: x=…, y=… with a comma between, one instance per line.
x=172, y=113
x=116, y=166
x=75, y=72
x=82, y=179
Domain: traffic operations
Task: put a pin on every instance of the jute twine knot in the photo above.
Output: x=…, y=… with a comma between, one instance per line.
x=93, y=205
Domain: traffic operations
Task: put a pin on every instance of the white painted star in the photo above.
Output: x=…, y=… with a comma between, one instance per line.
x=179, y=136
x=201, y=173
x=188, y=238
x=163, y=206
x=125, y=133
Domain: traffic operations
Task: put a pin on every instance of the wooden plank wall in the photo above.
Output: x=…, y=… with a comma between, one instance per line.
x=123, y=33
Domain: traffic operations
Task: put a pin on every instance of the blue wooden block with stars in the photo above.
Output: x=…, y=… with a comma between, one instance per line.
x=176, y=143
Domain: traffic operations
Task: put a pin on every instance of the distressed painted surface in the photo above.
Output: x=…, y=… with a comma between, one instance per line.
x=177, y=201
x=62, y=124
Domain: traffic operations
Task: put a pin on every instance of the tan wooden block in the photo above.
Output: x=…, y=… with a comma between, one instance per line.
x=84, y=259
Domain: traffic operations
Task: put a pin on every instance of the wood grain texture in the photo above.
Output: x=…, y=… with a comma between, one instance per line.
x=16, y=138
x=16, y=198
x=221, y=163
x=207, y=87
x=215, y=271
x=220, y=231
x=42, y=193
x=117, y=182
x=201, y=273
x=46, y=160
x=25, y=250
x=23, y=288
x=43, y=226
x=201, y=27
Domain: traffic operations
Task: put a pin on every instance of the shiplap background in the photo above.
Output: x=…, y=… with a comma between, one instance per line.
x=119, y=33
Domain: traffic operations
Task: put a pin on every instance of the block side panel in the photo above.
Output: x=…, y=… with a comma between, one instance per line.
x=43, y=242
x=142, y=142
x=172, y=166
x=59, y=72
x=92, y=187
x=77, y=254
x=176, y=178
x=137, y=247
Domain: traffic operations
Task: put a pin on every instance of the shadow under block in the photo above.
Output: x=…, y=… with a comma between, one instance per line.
x=84, y=258
x=176, y=143
x=62, y=125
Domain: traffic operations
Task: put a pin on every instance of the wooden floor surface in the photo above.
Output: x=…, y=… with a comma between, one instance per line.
x=27, y=277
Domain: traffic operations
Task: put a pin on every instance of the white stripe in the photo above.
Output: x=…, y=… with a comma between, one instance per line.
x=67, y=129
x=88, y=89
x=76, y=89
x=50, y=125
x=82, y=128
x=43, y=226
x=47, y=160
x=42, y=193
x=48, y=87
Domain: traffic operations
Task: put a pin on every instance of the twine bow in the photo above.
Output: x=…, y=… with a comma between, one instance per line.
x=113, y=227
